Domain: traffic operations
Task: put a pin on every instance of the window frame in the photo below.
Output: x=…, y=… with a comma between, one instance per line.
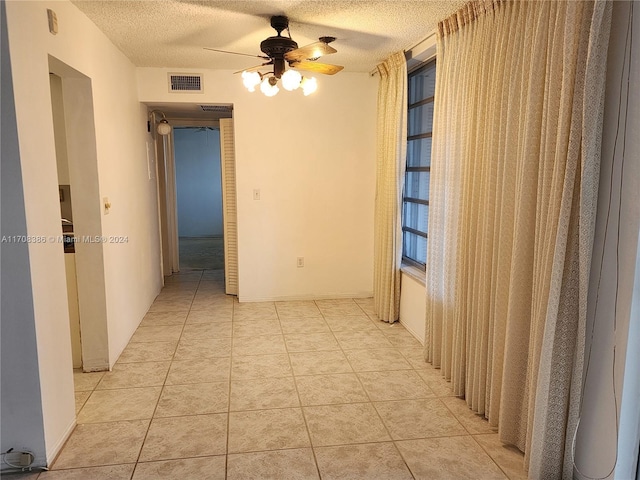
x=406, y=260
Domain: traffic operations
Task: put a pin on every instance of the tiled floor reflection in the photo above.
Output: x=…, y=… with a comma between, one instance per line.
x=212, y=389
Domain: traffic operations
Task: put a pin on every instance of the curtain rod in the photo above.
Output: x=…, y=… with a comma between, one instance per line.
x=407, y=51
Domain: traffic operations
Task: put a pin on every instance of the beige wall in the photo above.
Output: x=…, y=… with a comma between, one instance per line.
x=413, y=306
x=313, y=160
x=131, y=270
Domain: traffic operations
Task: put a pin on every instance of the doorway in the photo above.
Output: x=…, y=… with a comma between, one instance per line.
x=66, y=214
x=76, y=157
x=199, y=198
x=205, y=118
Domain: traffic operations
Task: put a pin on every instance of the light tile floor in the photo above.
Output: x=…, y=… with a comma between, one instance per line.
x=209, y=388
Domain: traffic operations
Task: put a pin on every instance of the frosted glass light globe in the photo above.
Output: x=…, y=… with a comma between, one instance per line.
x=163, y=127
x=309, y=85
x=268, y=89
x=291, y=80
x=251, y=80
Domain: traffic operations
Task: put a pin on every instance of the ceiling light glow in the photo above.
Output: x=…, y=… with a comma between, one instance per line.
x=268, y=89
x=309, y=85
x=251, y=80
x=291, y=80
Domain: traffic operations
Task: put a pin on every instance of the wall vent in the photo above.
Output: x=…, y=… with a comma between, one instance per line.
x=187, y=83
x=217, y=108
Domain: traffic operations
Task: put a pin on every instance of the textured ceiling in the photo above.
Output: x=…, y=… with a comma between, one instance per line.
x=171, y=33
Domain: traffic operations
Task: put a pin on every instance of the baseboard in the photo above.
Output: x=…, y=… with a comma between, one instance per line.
x=102, y=367
x=51, y=456
x=412, y=331
x=294, y=298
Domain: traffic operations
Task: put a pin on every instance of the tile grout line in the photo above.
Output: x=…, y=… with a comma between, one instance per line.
x=146, y=435
x=490, y=456
x=343, y=351
x=391, y=439
x=226, y=453
x=295, y=385
x=359, y=382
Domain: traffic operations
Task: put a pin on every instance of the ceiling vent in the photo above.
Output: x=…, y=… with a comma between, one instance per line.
x=216, y=108
x=186, y=83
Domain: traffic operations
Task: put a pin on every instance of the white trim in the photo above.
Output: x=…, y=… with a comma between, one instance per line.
x=423, y=52
x=417, y=274
x=180, y=122
x=229, y=205
x=629, y=432
x=412, y=332
x=291, y=298
x=55, y=451
x=101, y=367
x=172, y=202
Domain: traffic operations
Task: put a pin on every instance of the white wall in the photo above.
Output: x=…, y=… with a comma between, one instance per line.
x=614, y=254
x=313, y=159
x=198, y=182
x=132, y=269
x=413, y=306
x=629, y=436
x=60, y=131
x=21, y=409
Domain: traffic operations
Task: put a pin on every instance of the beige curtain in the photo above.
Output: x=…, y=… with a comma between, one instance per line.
x=390, y=167
x=515, y=163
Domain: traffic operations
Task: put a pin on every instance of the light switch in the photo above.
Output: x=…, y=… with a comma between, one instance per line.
x=107, y=205
x=256, y=194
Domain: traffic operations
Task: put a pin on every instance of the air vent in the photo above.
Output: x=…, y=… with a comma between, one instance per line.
x=186, y=83
x=216, y=108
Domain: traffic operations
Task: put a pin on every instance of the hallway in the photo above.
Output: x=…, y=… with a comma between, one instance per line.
x=209, y=388
x=201, y=253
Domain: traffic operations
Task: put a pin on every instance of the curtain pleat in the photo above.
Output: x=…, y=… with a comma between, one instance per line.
x=390, y=170
x=517, y=126
x=559, y=389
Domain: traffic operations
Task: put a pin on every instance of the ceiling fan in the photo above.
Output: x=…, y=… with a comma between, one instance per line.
x=280, y=51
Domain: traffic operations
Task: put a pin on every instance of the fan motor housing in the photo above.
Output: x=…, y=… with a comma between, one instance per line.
x=277, y=46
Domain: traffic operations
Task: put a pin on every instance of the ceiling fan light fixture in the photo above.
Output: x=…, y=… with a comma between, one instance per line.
x=308, y=85
x=268, y=88
x=291, y=80
x=251, y=80
x=282, y=51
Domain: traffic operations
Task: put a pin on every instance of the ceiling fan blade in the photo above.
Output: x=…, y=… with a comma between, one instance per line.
x=324, y=68
x=310, y=52
x=236, y=53
x=251, y=69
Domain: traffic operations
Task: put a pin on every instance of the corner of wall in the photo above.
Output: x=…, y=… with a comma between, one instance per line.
x=21, y=404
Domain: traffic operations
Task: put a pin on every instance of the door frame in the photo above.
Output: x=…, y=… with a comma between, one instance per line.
x=167, y=193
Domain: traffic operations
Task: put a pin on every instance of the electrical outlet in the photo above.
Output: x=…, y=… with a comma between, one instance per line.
x=300, y=262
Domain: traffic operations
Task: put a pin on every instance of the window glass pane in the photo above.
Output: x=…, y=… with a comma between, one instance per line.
x=415, y=247
x=416, y=185
x=419, y=123
x=416, y=216
x=419, y=152
x=422, y=83
x=420, y=119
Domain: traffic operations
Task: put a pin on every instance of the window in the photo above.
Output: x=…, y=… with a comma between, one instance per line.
x=415, y=205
